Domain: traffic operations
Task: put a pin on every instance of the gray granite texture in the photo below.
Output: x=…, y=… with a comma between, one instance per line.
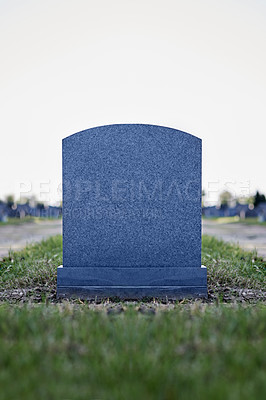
x=132, y=213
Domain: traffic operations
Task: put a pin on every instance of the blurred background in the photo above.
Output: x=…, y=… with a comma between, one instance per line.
x=197, y=66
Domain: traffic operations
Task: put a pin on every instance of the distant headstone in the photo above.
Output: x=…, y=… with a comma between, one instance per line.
x=132, y=214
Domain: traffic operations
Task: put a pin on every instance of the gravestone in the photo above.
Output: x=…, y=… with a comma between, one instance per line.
x=131, y=214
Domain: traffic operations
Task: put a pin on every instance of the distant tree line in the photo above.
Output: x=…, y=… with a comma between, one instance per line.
x=259, y=198
x=226, y=198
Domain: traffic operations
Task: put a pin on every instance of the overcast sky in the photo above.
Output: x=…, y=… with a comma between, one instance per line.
x=194, y=65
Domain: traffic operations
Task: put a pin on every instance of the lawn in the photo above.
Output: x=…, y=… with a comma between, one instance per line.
x=27, y=219
x=236, y=219
x=72, y=352
x=233, y=274
x=213, y=349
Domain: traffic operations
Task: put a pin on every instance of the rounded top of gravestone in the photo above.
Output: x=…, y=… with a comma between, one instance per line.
x=134, y=128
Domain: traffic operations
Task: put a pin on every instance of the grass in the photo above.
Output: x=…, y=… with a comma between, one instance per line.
x=17, y=221
x=235, y=219
x=65, y=352
x=184, y=350
x=252, y=221
x=231, y=270
x=27, y=219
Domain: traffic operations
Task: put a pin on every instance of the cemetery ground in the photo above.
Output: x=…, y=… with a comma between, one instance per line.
x=16, y=233
x=213, y=348
x=248, y=233
x=27, y=219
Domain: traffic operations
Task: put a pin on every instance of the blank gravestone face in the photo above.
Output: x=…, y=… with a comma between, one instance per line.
x=132, y=213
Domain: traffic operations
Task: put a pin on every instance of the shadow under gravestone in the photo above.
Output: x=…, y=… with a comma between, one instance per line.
x=132, y=214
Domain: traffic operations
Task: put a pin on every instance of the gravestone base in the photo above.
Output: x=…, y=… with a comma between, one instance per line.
x=104, y=282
